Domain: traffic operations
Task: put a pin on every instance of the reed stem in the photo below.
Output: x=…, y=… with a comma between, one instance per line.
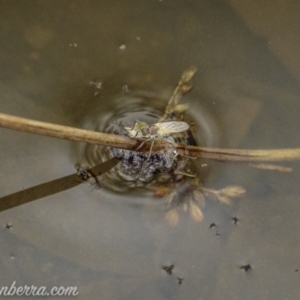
x=123, y=142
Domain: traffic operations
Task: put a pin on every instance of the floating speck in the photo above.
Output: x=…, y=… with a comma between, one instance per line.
x=125, y=89
x=96, y=84
x=8, y=225
x=235, y=220
x=246, y=268
x=168, y=269
x=122, y=47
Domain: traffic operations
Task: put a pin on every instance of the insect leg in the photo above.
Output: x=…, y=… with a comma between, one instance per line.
x=185, y=174
x=142, y=144
x=150, y=149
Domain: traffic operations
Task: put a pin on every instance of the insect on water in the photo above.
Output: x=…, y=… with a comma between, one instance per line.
x=156, y=131
x=160, y=130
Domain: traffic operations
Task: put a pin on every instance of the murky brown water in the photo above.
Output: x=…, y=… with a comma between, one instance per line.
x=54, y=55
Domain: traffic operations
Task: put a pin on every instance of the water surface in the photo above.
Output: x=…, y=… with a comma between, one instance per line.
x=69, y=62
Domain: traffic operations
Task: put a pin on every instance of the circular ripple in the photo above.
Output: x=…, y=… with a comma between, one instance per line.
x=146, y=107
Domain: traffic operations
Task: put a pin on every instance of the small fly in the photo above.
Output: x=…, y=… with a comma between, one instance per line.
x=143, y=130
x=156, y=131
x=164, y=128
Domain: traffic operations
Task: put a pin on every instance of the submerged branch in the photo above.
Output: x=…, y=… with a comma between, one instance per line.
x=123, y=142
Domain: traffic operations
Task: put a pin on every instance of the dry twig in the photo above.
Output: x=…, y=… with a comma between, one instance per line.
x=118, y=141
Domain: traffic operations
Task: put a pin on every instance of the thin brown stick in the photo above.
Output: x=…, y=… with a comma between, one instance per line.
x=66, y=132
x=270, y=167
x=118, y=141
x=243, y=155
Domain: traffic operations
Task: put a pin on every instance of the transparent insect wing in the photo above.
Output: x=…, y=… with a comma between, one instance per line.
x=132, y=132
x=135, y=131
x=140, y=125
x=171, y=127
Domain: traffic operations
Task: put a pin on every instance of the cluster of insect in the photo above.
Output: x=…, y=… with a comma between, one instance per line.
x=144, y=165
